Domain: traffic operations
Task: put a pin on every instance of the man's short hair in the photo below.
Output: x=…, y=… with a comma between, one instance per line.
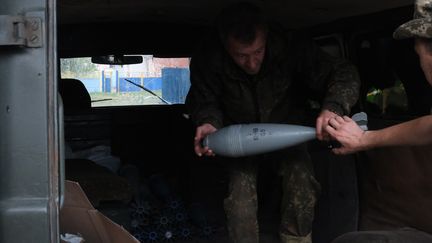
x=241, y=22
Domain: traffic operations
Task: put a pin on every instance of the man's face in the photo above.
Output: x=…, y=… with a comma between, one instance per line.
x=248, y=57
x=423, y=48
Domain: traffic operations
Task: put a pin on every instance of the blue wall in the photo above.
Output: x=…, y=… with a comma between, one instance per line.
x=175, y=84
x=92, y=84
x=149, y=83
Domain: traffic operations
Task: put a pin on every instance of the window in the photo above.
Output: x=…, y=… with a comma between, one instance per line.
x=154, y=81
x=387, y=101
x=393, y=85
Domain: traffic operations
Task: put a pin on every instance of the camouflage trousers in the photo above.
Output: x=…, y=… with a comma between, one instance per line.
x=299, y=188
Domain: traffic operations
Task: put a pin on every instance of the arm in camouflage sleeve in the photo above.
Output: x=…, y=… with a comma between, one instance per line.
x=202, y=100
x=338, y=77
x=342, y=89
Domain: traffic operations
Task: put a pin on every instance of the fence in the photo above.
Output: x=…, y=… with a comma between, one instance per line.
x=173, y=84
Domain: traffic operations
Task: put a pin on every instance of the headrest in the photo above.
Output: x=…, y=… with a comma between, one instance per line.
x=75, y=96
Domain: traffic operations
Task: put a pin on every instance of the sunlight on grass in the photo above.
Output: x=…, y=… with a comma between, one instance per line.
x=100, y=99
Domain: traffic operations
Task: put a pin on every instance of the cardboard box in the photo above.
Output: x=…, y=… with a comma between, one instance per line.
x=79, y=217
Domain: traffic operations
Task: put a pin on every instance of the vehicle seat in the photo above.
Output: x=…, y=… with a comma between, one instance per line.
x=98, y=182
x=75, y=96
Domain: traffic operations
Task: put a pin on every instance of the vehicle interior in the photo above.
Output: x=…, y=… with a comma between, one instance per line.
x=123, y=70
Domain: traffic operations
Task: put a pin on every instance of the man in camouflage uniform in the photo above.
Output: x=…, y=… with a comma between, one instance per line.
x=254, y=73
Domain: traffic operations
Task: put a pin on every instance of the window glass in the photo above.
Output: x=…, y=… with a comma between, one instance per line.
x=383, y=80
x=387, y=101
x=154, y=81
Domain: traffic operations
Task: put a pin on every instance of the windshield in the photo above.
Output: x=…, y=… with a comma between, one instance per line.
x=154, y=81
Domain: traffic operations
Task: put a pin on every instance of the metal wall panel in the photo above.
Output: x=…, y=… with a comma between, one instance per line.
x=29, y=131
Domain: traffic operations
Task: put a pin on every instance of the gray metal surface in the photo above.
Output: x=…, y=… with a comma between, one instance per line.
x=256, y=138
x=21, y=31
x=29, y=128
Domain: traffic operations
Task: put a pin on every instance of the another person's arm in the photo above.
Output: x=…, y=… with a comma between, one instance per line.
x=353, y=138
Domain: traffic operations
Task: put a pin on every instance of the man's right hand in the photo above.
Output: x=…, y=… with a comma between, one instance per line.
x=201, y=132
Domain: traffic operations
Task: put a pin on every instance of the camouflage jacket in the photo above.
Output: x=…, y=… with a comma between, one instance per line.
x=293, y=69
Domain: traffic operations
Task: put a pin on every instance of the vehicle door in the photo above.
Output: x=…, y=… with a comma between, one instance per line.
x=29, y=122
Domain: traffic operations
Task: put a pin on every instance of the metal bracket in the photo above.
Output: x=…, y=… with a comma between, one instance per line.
x=20, y=31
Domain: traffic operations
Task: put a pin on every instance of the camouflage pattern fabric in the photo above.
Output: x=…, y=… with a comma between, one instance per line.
x=300, y=193
x=296, y=239
x=421, y=25
x=294, y=70
x=338, y=88
x=241, y=204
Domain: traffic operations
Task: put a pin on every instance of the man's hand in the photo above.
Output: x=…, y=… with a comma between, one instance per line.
x=201, y=132
x=348, y=133
x=322, y=122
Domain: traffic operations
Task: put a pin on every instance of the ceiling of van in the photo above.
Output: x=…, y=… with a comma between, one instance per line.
x=293, y=14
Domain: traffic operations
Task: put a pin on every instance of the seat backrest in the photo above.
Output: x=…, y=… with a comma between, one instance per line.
x=395, y=188
x=75, y=96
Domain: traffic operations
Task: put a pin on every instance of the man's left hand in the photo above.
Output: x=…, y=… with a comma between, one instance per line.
x=322, y=122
